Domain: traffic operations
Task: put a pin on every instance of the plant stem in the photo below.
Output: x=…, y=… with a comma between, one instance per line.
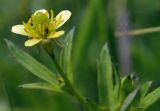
x=70, y=88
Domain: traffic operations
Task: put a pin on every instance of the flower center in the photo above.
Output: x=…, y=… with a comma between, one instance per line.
x=39, y=25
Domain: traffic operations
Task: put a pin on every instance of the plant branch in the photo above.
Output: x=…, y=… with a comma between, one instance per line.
x=70, y=89
x=138, y=32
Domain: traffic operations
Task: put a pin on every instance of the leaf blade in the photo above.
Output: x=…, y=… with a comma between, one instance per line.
x=129, y=99
x=145, y=88
x=150, y=98
x=105, y=80
x=41, y=85
x=65, y=58
x=31, y=64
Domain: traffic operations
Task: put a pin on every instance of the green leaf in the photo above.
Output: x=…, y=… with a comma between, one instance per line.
x=41, y=85
x=137, y=109
x=32, y=65
x=105, y=80
x=127, y=87
x=65, y=59
x=145, y=88
x=116, y=76
x=151, y=98
x=129, y=99
x=117, y=87
x=127, y=84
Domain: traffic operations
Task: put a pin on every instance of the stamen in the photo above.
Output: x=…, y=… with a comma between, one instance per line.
x=46, y=30
x=31, y=24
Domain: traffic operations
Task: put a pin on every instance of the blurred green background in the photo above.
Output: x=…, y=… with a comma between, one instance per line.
x=95, y=21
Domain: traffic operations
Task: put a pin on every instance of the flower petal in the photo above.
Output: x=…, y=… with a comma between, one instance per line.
x=62, y=17
x=32, y=42
x=56, y=34
x=42, y=11
x=19, y=29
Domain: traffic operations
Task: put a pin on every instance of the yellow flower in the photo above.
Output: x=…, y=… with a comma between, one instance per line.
x=42, y=26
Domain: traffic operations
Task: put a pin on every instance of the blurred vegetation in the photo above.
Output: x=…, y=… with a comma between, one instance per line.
x=95, y=22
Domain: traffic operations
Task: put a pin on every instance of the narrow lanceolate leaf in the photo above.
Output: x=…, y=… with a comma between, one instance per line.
x=66, y=55
x=31, y=64
x=105, y=80
x=127, y=87
x=129, y=99
x=145, y=88
x=151, y=98
x=137, y=109
x=41, y=85
x=117, y=87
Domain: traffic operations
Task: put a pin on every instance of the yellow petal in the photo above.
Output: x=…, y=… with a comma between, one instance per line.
x=56, y=34
x=32, y=42
x=19, y=29
x=42, y=11
x=63, y=16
